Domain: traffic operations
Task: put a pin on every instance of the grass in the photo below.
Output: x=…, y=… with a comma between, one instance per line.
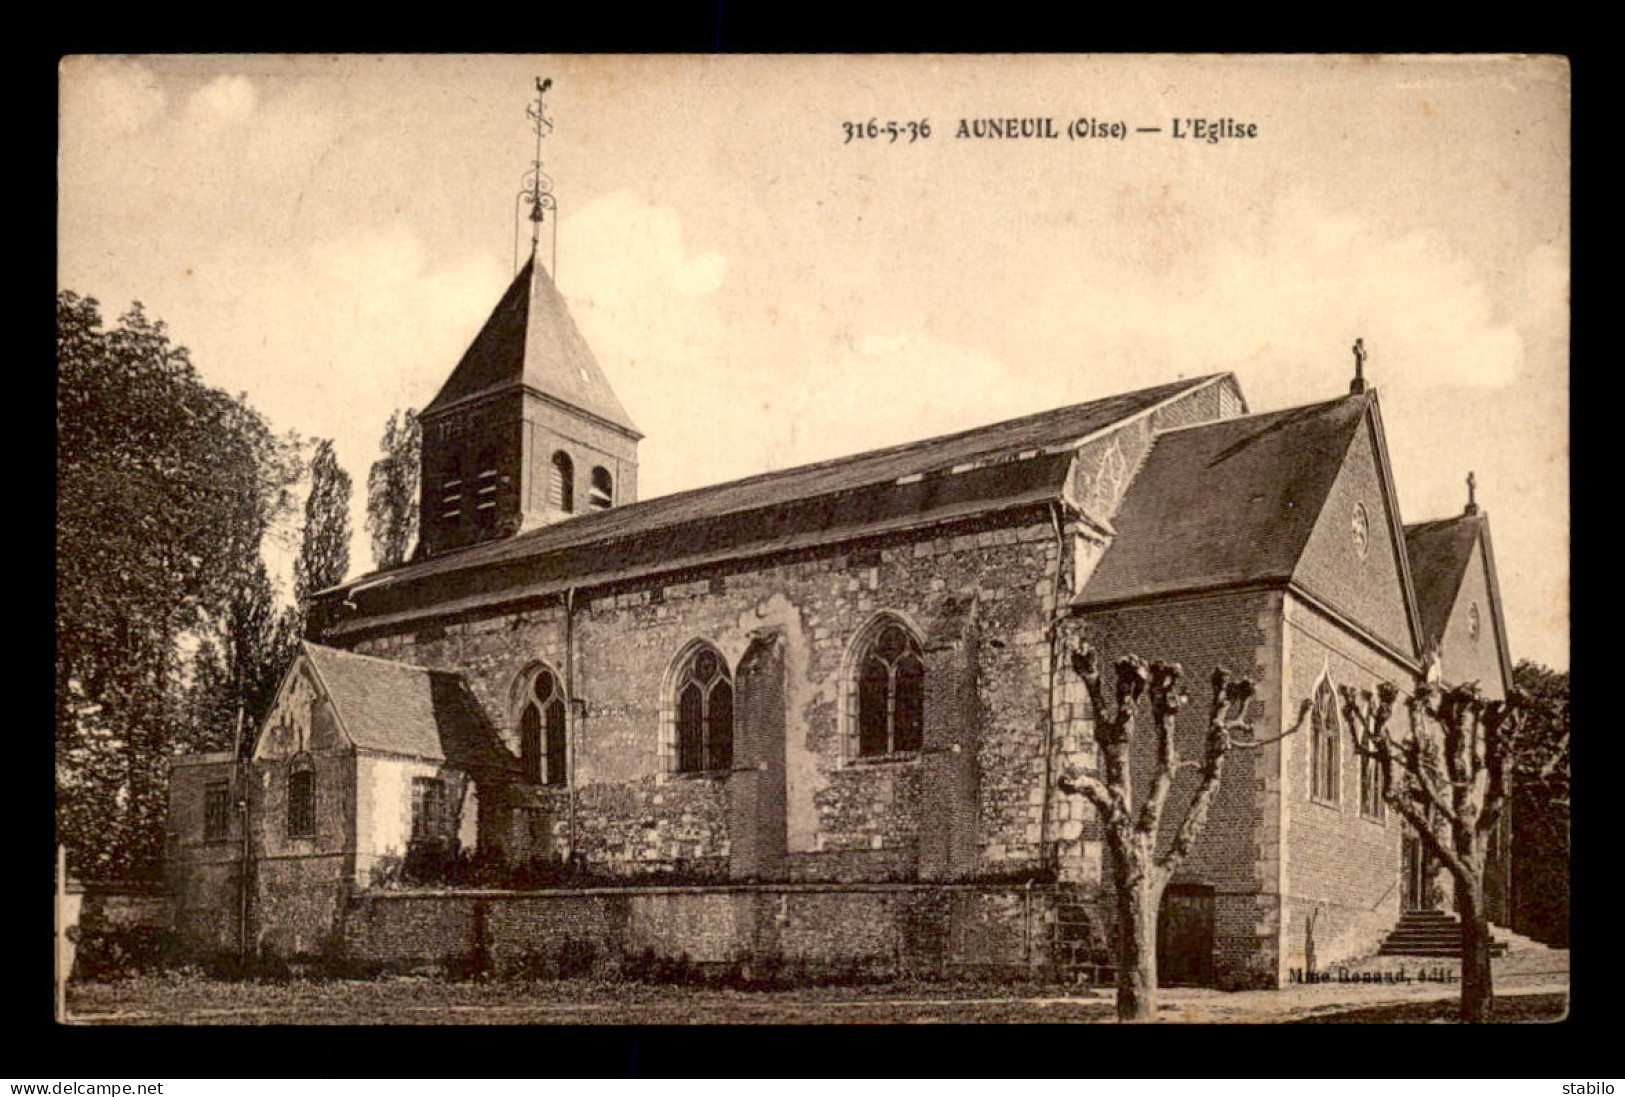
x=1518, y=1009
x=195, y=1000
x=420, y=1000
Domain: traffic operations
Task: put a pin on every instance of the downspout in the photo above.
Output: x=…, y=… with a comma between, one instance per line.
x=245, y=775
x=1044, y=851
x=572, y=729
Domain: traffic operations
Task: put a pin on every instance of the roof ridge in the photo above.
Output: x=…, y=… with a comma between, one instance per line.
x=1260, y=414
x=328, y=649
x=1452, y=520
x=580, y=521
x=933, y=440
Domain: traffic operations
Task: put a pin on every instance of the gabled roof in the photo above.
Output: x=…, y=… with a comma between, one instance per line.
x=530, y=339
x=1440, y=552
x=397, y=708
x=1228, y=502
x=955, y=475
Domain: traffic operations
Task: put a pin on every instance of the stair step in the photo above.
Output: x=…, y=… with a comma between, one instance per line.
x=1432, y=933
x=1432, y=950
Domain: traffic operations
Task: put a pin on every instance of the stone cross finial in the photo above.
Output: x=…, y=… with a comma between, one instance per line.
x=1357, y=385
x=1472, y=500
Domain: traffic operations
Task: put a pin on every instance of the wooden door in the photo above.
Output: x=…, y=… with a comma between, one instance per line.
x=1414, y=891
x=1185, y=936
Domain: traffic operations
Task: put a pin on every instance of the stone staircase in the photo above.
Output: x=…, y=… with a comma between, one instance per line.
x=1430, y=933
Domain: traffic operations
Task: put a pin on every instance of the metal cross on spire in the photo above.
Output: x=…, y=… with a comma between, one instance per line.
x=537, y=187
x=1472, y=494
x=1357, y=385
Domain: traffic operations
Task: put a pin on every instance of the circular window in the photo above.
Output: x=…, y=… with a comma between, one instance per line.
x=1473, y=621
x=1360, y=529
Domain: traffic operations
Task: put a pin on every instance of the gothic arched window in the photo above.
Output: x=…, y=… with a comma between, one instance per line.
x=890, y=691
x=1325, y=770
x=562, y=483
x=602, y=496
x=542, y=728
x=301, y=798
x=704, y=705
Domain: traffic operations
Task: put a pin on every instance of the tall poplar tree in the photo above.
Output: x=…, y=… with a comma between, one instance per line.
x=392, y=490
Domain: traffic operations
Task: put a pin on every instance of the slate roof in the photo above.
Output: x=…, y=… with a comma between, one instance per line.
x=401, y=709
x=828, y=500
x=1439, y=553
x=530, y=338
x=1231, y=501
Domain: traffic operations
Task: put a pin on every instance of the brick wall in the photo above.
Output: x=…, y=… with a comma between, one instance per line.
x=1341, y=869
x=1364, y=588
x=1465, y=657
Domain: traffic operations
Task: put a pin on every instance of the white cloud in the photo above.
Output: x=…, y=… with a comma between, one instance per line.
x=100, y=93
x=1280, y=297
x=223, y=101
x=621, y=247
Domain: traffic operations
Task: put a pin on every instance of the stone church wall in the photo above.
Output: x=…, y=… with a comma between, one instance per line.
x=846, y=818
x=924, y=929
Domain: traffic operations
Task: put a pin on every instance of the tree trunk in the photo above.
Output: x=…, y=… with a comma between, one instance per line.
x=1477, y=988
x=1137, y=946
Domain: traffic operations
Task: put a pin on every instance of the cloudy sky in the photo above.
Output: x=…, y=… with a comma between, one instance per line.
x=328, y=233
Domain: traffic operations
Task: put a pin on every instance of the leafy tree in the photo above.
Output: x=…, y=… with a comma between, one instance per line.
x=392, y=490
x=1542, y=765
x=1449, y=775
x=165, y=489
x=324, y=550
x=237, y=667
x=1540, y=806
x=1133, y=831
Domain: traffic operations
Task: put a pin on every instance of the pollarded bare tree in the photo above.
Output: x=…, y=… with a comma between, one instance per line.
x=1449, y=777
x=1139, y=872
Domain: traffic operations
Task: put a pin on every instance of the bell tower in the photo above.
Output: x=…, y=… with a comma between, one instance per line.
x=527, y=430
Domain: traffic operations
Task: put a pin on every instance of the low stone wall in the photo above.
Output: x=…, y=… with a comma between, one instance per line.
x=104, y=907
x=926, y=929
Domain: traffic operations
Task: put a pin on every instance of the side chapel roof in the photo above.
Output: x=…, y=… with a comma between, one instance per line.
x=1230, y=501
x=398, y=708
x=1440, y=552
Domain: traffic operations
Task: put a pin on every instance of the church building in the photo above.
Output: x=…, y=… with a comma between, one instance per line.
x=822, y=711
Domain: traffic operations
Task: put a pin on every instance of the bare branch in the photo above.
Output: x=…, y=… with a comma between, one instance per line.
x=1501, y=721
x=1166, y=701
x=1074, y=783
x=1303, y=718
x=1424, y=829
x=1227, y=696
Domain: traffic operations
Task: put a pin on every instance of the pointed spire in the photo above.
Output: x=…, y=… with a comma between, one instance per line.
x=1472, y=494
x=1357, y=385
